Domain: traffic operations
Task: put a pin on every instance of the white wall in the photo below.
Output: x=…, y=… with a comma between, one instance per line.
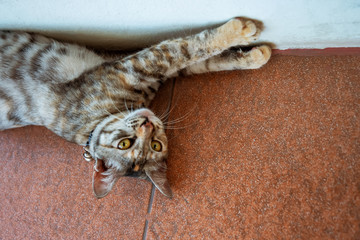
x=135, y=23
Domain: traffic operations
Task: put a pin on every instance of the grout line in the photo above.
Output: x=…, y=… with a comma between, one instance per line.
x=145, y=230
x=153, y=188
x=151, y=199
x=340, y=51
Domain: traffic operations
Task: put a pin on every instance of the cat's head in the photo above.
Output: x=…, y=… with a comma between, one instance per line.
x=133, y=145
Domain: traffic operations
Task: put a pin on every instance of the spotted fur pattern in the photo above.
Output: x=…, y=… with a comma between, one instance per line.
x=73, y=92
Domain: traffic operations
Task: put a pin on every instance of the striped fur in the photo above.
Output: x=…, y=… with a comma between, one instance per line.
x=73, y=91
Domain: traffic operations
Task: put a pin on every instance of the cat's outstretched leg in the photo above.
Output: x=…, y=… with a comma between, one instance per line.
x=232, y=60
x=146, y=69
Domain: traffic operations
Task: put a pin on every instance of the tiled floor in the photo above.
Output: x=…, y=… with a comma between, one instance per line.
x=272, y=153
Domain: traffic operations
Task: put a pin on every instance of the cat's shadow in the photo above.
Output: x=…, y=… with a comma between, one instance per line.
x=129, y=40
x=116, y=39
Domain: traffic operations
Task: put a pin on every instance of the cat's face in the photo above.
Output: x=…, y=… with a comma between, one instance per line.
x=132, y=145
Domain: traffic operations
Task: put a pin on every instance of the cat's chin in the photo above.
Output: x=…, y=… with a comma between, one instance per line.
x=144, y=112
x=147, y=114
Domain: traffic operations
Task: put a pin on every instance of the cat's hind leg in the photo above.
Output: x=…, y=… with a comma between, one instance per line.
x=232, y=59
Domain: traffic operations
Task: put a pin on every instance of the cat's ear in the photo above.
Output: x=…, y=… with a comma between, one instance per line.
x=103, y=179
x=158, y=178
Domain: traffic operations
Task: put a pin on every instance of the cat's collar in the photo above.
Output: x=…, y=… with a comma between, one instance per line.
x=86, y=154
x=89, y=139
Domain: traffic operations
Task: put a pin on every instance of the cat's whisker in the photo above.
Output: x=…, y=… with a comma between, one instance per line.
x=180, y=119
x=177, y=128
x=116, y=108
x=160, y=165
x=112, y=101
x=126, y=106
x=173, y=137
x=163, y=167
x=166, y=115
x=167, y=112
x=112, y=115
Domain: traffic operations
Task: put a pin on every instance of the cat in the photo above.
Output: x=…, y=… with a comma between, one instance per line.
x=83, y=98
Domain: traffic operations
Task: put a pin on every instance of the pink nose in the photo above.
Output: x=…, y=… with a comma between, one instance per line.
x=146, y=128
x=148, y=124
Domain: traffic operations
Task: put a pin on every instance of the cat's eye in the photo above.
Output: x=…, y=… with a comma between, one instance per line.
x=125, y=144
x=156, y=146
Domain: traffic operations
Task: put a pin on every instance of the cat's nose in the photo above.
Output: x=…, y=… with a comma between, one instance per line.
x=147, y=123
x=146, y=128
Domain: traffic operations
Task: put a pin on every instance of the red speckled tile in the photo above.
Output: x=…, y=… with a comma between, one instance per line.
x=265, y=154
x=47, y=193
x=268, y=154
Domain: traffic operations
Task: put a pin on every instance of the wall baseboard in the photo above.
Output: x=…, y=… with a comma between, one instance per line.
x=351, y=51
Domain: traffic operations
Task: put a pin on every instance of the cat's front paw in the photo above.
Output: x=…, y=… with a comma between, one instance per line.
x=242, y=31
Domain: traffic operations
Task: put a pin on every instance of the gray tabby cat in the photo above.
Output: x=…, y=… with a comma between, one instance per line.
x=82, y=97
